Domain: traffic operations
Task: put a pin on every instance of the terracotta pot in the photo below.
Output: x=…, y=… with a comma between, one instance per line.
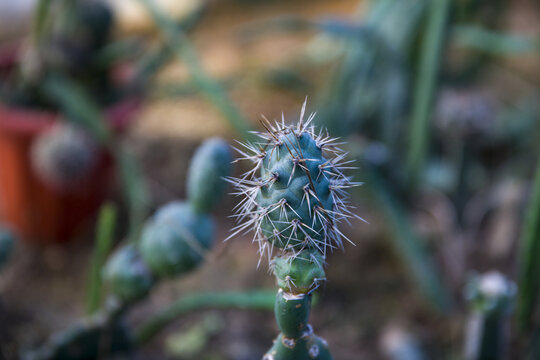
x=38, y=212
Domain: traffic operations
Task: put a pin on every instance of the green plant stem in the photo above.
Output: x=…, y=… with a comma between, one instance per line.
x=494, y=43
x=529, y=272
x=41, y=14
x=427, y=73
x=104, y=242
x=185, y=52
x=256, y=300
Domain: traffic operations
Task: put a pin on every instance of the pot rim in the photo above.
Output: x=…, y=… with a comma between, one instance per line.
x=25, y=121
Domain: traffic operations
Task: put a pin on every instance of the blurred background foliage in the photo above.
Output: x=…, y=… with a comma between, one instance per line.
x=438, y=102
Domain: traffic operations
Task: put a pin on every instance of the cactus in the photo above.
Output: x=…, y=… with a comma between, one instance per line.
x=70, y=45
x=64, y=155
x=82, y=32
x=209, y=165
x=178, y=235
x=127, y=275
x=173, y=242
x=7, y=243
x=490, y=298
x=294, y=199
x=175, y=239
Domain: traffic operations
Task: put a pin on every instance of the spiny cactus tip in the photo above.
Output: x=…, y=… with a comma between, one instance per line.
x=295, y=195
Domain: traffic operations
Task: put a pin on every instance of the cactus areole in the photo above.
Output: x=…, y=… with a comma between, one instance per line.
x=294, y=197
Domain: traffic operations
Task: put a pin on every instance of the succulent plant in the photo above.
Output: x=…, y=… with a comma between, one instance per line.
x=64, y=155
x=70, y=45
x=175, y=239
x=294, y=199
x=127, y=275
x=301, y=273
x=209, y=165
x=82, y=33
x=295, y=195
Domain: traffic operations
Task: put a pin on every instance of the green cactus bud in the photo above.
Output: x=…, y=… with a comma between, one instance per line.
x=209, y=166
x=308, y=347
x=63, y=155
x=127, y=275
x=300, y=273
x=7, y=243
x=175, y=239
x=295, y=195
x=292, y=313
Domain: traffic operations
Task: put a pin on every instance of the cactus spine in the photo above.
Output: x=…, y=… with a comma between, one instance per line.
x=294, y=198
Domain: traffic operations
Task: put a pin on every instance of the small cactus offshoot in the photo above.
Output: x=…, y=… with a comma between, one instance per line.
x=176, y=238
x=64, y=155
x=210, y=163
x=128, y=276
x=293, y=199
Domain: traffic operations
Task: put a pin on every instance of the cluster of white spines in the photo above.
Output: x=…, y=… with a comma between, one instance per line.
x=250, y=214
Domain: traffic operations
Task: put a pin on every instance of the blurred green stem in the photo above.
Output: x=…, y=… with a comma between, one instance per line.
x=256, y=300
x=102, y=247
x=424, y=94
x=41, y=13
x=529, y=272
x=184, y=51
x=494, y=43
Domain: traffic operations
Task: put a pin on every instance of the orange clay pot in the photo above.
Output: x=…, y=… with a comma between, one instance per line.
x=37, y=211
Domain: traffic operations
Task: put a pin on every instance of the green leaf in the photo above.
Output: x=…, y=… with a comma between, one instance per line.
x=529, y=271
x=104, y=242
x=40, y=19
x=134, y=189
x=492, y=42
x=427, y=73
x=255, y=300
